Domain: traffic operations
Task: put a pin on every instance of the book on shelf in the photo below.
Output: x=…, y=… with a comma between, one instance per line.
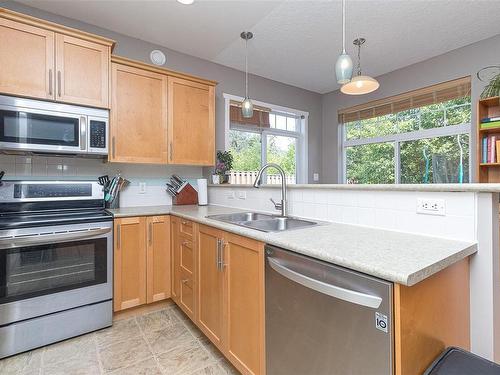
x=484, y=158
x=489, y=125
x=493, y=153
x=490, y=119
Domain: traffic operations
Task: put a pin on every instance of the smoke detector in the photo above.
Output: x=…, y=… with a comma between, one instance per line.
x=157, y=57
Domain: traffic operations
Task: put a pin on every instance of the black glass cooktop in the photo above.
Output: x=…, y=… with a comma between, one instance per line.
x=52, y=217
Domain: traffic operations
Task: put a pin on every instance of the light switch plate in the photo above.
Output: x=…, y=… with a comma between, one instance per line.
x=315, y=177
x=242, y=195
x=142, y=188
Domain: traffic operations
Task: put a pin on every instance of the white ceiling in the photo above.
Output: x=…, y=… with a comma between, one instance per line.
x=295, y=42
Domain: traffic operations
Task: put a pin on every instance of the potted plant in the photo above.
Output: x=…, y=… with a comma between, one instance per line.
x=223, y=165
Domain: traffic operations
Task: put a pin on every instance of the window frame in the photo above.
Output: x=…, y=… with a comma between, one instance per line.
x=396, y=139
x=301, y=157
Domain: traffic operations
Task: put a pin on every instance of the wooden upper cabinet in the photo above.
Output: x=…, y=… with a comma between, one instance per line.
x=138, y=124
x=129, y=262
x=158, y=258
x=26, y=60
x=40, y=59
x=82, y=71
x=191, y=122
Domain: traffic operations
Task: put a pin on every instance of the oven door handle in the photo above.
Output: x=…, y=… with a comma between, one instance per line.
x=331, y=290
x=41, y=239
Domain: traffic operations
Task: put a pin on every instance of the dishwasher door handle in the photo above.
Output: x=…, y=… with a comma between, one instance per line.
x=348, y=295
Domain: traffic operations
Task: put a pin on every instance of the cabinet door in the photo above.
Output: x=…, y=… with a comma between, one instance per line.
x=244, y=272
x=26, y=60
x=129, y=262
x=191, y=122
x=138, y=116
x=158, y=258
x=175, y=258
x=82, y=71
x=210, y=285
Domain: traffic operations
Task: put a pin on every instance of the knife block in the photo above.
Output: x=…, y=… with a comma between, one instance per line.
x=187, y=195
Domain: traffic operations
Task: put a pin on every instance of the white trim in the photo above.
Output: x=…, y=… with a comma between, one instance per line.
x=273, y=107
x=301, y=135
x=411, y=136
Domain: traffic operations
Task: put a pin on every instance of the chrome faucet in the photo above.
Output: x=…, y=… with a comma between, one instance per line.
x=282, y=205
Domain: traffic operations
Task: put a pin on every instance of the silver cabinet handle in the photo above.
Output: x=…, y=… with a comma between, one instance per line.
x=118, y=236
x=40, y=239
x=222, y=247
x=217, y=257
x=328, y=289
x=150, y=234
x=83, y=133
x=171, y=150
x=59, y=83
x=50, y=82
x=113, y=146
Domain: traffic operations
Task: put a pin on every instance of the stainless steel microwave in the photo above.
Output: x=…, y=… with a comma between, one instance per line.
x=37, y=126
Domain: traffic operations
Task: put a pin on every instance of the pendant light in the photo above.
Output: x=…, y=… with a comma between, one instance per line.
x=343, y=66
x=360, y=84
x=246, y=105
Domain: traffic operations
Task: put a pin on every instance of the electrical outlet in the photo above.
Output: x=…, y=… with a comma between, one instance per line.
x=242, y=195
x=142, y=188
x=315, y=177
x=230, y=195
x=431, y=206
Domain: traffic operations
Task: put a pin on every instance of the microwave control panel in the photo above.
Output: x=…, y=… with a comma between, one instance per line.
x=97, y=134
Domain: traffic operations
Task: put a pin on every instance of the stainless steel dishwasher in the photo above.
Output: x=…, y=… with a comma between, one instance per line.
x=322, y=319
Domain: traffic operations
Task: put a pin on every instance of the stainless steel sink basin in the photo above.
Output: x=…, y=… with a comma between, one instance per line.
x=278, y=224
x=240, y=217
x=263, y=222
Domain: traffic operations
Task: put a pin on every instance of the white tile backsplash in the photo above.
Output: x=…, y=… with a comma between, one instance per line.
x=52, y=167
x=394, y=210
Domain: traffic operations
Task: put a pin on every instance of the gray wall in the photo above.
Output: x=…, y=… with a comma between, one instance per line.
x=230, y=80
x=461, y=62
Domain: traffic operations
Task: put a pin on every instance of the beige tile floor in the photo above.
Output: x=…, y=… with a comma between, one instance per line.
x=157, y=342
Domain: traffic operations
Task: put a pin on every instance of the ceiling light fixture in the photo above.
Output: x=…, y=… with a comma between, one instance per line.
x=360, y=84
x=343, y=66
x=246, y=105
x=186, y=2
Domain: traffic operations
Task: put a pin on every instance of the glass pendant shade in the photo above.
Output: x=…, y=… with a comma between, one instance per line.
x=360, y=85
x=247, y=108
x=343, y=68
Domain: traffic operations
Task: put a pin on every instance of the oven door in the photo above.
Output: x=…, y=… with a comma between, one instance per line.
x=41, y=130
x=54, y=269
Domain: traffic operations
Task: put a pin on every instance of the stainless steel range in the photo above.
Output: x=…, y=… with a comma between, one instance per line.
x=56, y=263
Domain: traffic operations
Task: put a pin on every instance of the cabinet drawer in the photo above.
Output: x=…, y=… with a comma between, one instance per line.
x=187, y=254
x=186, y=228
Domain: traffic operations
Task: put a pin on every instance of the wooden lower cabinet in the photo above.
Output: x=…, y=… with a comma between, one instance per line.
x=210, y=292
x=183, y=266
x=244, y=303
x=429, y=317
x=230, y=296
x=158, y=259
x=141, y=261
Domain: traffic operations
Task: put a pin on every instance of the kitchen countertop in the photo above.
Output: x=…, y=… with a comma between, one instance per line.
x=474, y=188
x=403, y=258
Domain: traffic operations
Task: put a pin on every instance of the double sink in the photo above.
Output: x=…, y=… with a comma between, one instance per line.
x=263, y=222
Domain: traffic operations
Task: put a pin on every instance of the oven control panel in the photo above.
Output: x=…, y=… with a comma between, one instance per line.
x=52, y=190
x=97, y=134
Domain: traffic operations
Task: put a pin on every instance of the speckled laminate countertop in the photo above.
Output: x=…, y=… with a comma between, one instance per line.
x=399, y=257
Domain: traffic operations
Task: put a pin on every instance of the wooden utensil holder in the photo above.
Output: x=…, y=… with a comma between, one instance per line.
x=187, y=195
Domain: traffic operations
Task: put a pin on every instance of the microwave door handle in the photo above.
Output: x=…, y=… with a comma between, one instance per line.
x=325, y=288
x=50, y=238
x=83, y=133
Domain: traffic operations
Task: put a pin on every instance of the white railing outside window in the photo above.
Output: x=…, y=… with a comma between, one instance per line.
x=248, y=178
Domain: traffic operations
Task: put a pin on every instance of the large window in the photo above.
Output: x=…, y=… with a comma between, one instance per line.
x=273, y=136
x=425, y=144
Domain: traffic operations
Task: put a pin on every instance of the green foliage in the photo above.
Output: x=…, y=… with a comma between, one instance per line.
x=224, y=162
x=246, y=148
x=375, y=164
